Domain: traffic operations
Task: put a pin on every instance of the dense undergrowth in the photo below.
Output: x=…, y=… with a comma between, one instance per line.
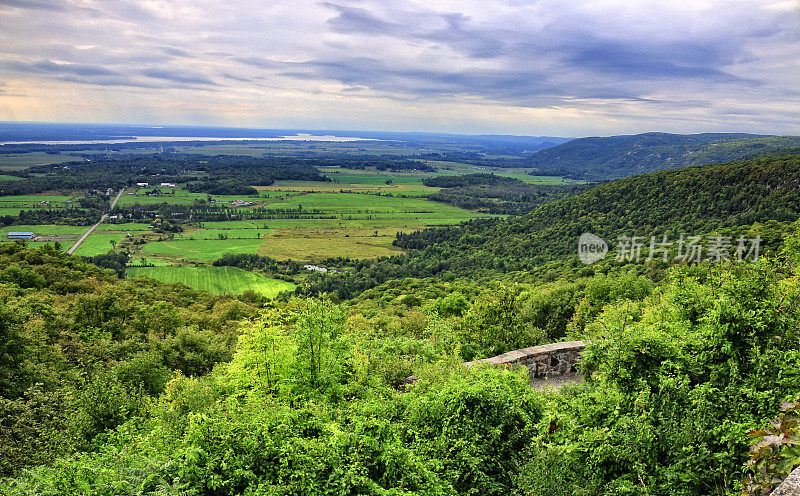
x=677, y=374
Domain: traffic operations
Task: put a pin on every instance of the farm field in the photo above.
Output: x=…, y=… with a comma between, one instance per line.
x=11, y=205
x=180, y=196
x=364, y=210
x=366, y=204
x=458, y=168
x=369, y=181
x=20, y=161
x=364, y=227
x=6, y=177
x=98, y=243
x=44, y=229
x=200, y=249
x=217, y=280
x=315, y=244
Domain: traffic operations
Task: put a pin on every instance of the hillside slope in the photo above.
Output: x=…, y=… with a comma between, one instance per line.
x=622, y=156
x=746, y=198
x=696, y=200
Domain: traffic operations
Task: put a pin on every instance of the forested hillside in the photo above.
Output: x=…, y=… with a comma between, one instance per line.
x=756, y=197
x=82, y=351
x=622, y=156
x=676, y=378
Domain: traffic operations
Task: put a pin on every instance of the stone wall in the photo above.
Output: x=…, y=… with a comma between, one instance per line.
x=547, y=360
x=789, y=487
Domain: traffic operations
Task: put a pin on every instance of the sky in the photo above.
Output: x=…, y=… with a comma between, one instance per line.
x=550, y=67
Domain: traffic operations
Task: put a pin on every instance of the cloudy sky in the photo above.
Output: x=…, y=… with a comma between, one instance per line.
x=549, y=67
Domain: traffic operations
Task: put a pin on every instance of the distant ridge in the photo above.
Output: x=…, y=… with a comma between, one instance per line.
x=699, y=200
x=616, y=157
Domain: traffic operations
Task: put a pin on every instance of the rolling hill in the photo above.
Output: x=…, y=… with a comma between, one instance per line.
x=745, y=198
x=615, y=157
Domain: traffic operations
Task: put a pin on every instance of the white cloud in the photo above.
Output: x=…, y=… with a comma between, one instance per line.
x=579, y=67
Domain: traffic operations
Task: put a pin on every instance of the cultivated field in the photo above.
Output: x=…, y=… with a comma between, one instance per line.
x=199, y=249
x=216, y=280
x=11, y=205
x=20, y=161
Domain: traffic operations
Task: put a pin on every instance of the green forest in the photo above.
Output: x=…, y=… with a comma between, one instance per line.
x=273, y=361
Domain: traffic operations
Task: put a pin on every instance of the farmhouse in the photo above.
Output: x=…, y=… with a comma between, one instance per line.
x=142, y=184
x=20, y=235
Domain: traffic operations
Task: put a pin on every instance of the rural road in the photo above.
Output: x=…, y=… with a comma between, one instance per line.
x=91, y=229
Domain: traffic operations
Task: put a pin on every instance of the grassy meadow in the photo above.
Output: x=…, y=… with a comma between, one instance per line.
x=11, y=205
x=356, y=215
x=21, y=161
x=217, y=280
x=199, y=249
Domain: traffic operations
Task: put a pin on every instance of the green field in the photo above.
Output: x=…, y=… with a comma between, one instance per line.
x=360, y=226
x=201, y=249
x=366, y=204
x=45, y=229
x=98, y=243
x=363, y=216
x=127, y=227
x=11, y=205
x=20, y=161
x=372, y=181
x=180, y=196
x=6, y=177
x=217, y=280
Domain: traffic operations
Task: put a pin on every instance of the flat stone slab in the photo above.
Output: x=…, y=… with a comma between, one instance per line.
x=790, y=486
x=556, y=382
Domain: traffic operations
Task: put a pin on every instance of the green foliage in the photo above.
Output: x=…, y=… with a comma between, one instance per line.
x=475, y=426
x=775, y=454
x=33, y=429
x=676, y=376
x=22, y=277
x=104, y=404
x=494, y=325
x=452, y=305
x=317, y=333
x=621, y=156
x=82, y=352
x=12, y=354
x=674, y=389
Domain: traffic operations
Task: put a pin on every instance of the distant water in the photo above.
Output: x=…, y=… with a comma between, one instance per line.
x=161, y=139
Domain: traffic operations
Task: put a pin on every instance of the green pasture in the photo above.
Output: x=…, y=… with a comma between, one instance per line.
x=98, y=243
x=217, y=280
x=230, y=233
x=127, y=227
x=359, y=204
x=21, y=161
x=45, y=229
x=201, y=249
x=6, y=177
x=180, y=196
x=12, y=205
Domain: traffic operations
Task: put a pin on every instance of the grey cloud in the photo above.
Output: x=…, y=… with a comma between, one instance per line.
x=235, y=78
x=681, y=60
x=570, y=44
x=455, y=32
x=175, y=52
x=123, y=81
x=34, y=5
x=357, y=20
x=50, y=67
x=261, y=62
x=175, y=76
